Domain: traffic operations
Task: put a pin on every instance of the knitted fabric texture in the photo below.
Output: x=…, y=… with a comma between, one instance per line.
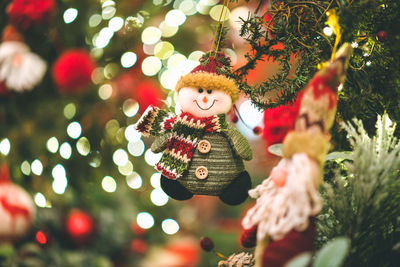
x=211, y=74
x=185, y=133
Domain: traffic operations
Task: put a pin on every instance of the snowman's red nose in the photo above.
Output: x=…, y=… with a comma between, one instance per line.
x=205, y=100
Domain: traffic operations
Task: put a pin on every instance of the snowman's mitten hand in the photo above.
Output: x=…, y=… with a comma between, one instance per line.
x=155, y=122
x=239, y=143
x=159, y=144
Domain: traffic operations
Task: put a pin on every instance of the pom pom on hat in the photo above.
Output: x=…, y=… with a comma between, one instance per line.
x=211, y=74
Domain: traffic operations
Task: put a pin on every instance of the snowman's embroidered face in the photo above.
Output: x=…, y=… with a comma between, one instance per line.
x=204, y=103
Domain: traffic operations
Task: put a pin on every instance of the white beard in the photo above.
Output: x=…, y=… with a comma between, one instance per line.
x=280, y=209
x=20, y=69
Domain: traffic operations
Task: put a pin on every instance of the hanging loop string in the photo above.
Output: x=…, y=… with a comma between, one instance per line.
x=225, y=6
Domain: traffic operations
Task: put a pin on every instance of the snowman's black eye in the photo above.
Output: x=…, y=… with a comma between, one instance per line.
x=201, y=90
x=209, y=91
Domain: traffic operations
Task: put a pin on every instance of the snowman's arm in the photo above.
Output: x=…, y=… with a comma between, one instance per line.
x=160, y=143
x=155, y=122
x=239, y=143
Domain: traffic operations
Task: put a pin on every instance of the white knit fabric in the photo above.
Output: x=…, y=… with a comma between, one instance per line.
x=280, y=209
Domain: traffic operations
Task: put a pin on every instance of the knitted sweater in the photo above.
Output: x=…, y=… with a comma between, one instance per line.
x=229, y=147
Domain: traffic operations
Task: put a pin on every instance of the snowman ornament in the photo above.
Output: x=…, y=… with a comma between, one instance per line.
x=202, y=153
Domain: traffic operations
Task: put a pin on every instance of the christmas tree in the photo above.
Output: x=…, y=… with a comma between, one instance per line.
x=77, y=180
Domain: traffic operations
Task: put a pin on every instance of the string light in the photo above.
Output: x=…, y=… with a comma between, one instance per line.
x=328, y=31
x=170, y=226
x=74, y=130
x=134, y=180
x=70, y=15
x=83, y=146
x=145, y=220
x=26, y=168
x=158, y=197
x=5, y=146
x=52, y=144
x=65, y=150
x=37, y=167
x=109, y=185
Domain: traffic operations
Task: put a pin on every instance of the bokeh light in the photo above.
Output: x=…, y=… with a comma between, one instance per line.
x=52, y=144
x=136, y=148
x=128, y=59
x=152, y=158
x=126, y=169
x=109, y=184
x=83, y=146
x=131, y=134
x=250, y=114
x=69, y=110
x=120, y=157
x=155, y=180
x=158, y=197
x=116, y=23
x=170, y=226
x=105, y=91
x=58, y=171
x=74, y=130
x=215, y=13
x=40, y=200
x=134, y=180
x=151, y=35
x=37, y=167
x=65, y=150
x=151, y=66
x=167, y=30
x=130, y=107
x=145, y=220
x=175, y=18
x=328, y=31
x=237, y=13
x=5, y=146
x=25, y=167
x=95, y=20
x=70, y=15
x=163, y=50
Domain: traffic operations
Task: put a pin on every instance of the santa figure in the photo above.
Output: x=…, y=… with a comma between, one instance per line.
x=282, y=222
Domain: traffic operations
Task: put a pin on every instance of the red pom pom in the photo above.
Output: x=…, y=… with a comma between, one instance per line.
x=206, y=244
x=382, y=36
x=257, y=130
x=249, y=237
x=147, y=93
x=279, y=121
x=26, y=13
x=79, y=225
x=72, y=71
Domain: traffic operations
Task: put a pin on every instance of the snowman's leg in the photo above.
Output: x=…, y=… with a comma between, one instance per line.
x=237, y=191
x=174, y=189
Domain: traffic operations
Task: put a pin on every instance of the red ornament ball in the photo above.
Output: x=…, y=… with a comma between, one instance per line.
x=206, y=244
x=26, y=13
x=147, y=93
x=79, y=225
x=382, y=36
x=138, y=246
x=72, y=71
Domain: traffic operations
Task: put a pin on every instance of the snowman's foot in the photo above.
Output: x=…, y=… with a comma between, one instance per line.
x=237, y=191
x=174, y=189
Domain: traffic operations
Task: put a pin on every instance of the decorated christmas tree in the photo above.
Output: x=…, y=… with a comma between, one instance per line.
x=129, y=130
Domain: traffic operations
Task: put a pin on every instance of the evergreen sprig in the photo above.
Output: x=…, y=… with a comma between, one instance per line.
x=364, y=204
x=373, y=80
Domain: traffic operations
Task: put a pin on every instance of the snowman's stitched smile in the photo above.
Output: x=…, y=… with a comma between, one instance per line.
x=205, y=108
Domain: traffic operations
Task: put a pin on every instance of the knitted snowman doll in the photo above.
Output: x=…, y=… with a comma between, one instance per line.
x=202, y=153
x=282, y=222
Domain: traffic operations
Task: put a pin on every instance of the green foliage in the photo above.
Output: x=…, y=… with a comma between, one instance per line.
x=373, y=79
x=363, y=204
